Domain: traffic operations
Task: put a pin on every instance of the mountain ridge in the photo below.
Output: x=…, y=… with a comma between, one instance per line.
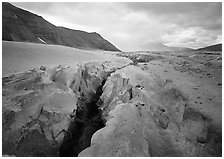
x=24, y=26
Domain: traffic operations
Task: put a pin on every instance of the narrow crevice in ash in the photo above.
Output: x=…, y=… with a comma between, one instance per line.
x=85, y=123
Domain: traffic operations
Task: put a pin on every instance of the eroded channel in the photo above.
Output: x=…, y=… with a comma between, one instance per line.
x=86, y=121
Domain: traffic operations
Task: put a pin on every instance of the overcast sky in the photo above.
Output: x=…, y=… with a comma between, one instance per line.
x=134, y=26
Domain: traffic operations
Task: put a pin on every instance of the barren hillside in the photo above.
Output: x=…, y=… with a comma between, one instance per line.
x=24, y=26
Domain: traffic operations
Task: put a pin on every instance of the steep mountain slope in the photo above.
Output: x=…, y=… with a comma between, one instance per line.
x=21, y=25
x=217, y=47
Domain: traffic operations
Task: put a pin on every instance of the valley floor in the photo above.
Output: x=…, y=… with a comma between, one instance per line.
x=110, y=104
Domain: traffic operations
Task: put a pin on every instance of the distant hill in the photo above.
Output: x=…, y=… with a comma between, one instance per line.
x=161, y=47
x=181, y=48
x=21, y=25
x=217, y=47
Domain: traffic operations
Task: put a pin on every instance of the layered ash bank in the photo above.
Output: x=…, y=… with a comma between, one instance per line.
x=102, y=109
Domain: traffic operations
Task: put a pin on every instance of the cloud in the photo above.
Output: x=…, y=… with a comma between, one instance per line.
x=193, y=37
x=206, y=15
x=131, y=26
